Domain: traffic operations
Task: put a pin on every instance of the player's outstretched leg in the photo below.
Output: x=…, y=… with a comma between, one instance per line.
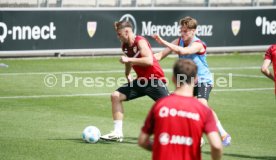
x=225, y=137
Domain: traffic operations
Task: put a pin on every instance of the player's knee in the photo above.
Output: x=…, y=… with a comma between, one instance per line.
x=115, y=96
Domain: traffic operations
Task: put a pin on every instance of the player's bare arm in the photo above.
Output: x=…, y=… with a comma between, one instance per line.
x=194, y=48
x=164, y=53
x=127, y=72
x=127, y=68
x=265, y=69
x=146, y=53
x=216, y=145
x=144, y=141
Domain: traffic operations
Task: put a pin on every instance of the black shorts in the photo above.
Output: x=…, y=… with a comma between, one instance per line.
x=202, y=90
x=154, y=88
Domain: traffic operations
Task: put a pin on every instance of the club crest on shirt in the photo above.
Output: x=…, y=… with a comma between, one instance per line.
x=125, y=51
x=135, y=49
x=235, y=25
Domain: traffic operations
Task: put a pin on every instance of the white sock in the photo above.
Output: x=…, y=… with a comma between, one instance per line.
x=222, y=132
x=118, y=126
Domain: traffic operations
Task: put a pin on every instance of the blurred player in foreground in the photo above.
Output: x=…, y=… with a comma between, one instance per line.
x=179, y=120
x=189, y=46
x=270, y=57
x=150, y=77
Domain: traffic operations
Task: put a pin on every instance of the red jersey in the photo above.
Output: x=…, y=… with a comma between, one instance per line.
x=271, y=55
x=177, y=123
x=148, y=72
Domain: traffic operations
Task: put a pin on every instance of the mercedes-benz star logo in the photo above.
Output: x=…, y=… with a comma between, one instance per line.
x=129, y=17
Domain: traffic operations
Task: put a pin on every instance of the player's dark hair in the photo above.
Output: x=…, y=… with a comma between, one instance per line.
x=189, y=22
x=184, y=71
x=122, y=24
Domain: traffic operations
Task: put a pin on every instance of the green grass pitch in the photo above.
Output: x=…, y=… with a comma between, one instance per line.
x=40, y=122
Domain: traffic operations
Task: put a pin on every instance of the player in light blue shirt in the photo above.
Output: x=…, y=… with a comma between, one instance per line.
x=199, y=58
x=188, y=46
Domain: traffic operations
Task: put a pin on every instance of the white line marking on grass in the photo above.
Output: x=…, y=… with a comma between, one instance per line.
x=242, y=89
x=240, y=75
x=106, y=94
x=235, y=68
x=56, y=96
x=66, y=72
x=116, y=71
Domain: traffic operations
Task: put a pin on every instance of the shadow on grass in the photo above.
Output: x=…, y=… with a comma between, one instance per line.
x=127, y=140
x=75, y=140
x=241, y=156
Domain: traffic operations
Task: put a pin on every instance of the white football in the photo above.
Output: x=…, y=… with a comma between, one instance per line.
x=91, y=134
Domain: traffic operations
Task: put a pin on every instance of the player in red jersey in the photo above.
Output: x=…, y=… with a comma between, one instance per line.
x=150, y=77
x=178, y=121
x=270, y=57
